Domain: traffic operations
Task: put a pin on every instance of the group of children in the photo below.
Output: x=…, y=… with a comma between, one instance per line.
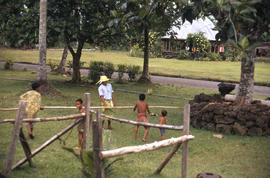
x=143, y=111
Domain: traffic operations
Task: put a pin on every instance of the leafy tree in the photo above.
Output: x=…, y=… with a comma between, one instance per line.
x=243, y=23
x=198, y=41
x=146, y=16
x=84, y=22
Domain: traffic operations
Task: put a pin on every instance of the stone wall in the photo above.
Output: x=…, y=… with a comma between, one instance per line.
x=213, y=113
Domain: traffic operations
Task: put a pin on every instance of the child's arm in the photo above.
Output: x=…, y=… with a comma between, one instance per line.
x=135, y=107
x=147, y=108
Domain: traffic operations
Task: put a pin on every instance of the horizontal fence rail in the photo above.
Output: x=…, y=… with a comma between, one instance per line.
x=145, y=147
x=48, y=119
x=94, y=107
x=171, y=127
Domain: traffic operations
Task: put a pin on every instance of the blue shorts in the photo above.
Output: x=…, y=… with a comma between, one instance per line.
x=162, y=131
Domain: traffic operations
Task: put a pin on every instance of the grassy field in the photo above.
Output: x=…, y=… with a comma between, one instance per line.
x=214, y=70
x=231, y=157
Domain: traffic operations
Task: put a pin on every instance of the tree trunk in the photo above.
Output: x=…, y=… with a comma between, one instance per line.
x=61, y=66
x=246, y=85
x=42, y=73
x=145, y=74
x=76, y=75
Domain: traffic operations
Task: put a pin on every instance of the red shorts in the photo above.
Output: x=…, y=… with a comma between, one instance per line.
x=141, y=117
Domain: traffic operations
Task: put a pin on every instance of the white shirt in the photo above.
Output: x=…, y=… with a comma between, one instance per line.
x=105, y=91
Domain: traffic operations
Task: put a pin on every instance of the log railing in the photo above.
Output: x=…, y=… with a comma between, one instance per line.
x=145, y=147
x=96, y=127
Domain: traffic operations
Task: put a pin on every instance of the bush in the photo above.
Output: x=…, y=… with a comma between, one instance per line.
x=8, y=65
x=122, y=68
x=108, y=69
x=183, y=54
x=133, y=71
x=136, y=51
x=213, y=56
x=96, y=69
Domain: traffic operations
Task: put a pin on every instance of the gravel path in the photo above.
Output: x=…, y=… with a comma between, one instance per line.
x=263, y=90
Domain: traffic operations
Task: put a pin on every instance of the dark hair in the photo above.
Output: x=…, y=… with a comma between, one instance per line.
x=79, y=100
x=164, y=113
x=142, y=97
x=35, y=85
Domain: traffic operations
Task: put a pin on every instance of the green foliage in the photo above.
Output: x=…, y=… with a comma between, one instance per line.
x=108, y=69
x=8, y=65
x=213, y=56
x=121, y=69
x=136, y=51
x=199, y=42
x=183, y=54
x=96, y=69
x=133, y=71
x=88, y=165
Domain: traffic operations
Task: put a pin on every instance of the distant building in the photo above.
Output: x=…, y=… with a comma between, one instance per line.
x=175, y=40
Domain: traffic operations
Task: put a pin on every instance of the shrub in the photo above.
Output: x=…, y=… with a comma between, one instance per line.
x=8, y=65
x=136, y=51
x=108, y=69
x=183, y=54
x=199, y=44
x=133, y=71
x=213, y=56
x=122, y=68
x=96, y=69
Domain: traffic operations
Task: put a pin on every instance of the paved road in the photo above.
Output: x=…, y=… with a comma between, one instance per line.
x=157, y=79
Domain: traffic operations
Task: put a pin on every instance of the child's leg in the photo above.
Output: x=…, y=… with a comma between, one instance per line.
x=109, y=124
x=145, y=135
x=162, y=133
x=30, y=130
x=136, y=132
x=80, y=136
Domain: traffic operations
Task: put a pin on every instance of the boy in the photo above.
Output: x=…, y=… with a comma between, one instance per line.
x=33, y=99
x=81, y=108
x=142, y=108
x=162, y=121
x=106, y=97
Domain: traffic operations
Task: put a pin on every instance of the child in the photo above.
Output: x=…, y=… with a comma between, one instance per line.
x=162, y=121
x=142, y=108
x=80, y=107
x=33, y=99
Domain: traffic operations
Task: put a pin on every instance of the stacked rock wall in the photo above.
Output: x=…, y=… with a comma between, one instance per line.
x=213, y=113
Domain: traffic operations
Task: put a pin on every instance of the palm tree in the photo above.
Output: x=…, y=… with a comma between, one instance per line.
x=42, y=72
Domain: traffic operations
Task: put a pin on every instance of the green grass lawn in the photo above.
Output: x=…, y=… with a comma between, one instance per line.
x=232, y=157
x=215, y=70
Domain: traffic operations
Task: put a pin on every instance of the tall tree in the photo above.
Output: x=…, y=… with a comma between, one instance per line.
x=83, y=22
x=243, y=23
x=145, y=16
x=42, y=72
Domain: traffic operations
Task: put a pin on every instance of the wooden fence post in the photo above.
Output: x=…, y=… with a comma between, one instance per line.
x=26, y=147
x=186, y=120
x=87, y=123
x=97, y=147
x=15, y=135
x=47, y=143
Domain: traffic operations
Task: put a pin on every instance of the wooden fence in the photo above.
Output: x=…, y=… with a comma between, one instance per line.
x=93, y=123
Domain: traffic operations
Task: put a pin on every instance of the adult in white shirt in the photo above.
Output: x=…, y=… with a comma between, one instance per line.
x=105, y=92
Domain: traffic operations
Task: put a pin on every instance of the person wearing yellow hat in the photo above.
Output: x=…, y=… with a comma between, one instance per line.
x=105, y=92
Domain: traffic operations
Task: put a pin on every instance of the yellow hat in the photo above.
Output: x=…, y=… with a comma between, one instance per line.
x=103, y=78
